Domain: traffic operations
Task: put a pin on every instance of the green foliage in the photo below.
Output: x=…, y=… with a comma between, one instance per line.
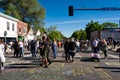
x=92, y=26
x=79, y=34
x=110, y=25
x=55, y=35
x=29, y=11
x=51, y=28
x=41, y=29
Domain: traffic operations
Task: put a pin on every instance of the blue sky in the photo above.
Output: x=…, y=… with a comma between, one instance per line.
x=57, y=14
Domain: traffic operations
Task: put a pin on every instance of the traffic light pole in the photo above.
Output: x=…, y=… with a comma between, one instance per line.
x=71, y=9
x=103, y=9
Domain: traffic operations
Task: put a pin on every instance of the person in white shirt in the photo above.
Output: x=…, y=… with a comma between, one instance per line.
x=21, y=48
x=95, y=46
x=11, y=44
x=37, y=45
x=2, y=57
x=78, y=45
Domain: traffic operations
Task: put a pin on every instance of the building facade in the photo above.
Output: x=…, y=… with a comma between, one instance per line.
x=8, y=27
x=109, y=33
x=30, y=34
x=22, y=30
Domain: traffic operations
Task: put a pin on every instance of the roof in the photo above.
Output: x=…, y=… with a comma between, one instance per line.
x=38, y=33
x=8, y=17
x=30, y=32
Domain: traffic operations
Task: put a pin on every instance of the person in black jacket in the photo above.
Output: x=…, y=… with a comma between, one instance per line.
x=72, y=50
x=16, y=49
x=33, y=47
x=66, y=49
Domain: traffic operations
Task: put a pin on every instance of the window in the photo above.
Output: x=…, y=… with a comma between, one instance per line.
x=19, y=29
x=8, y=26
x=13, y=27
x=25, y=30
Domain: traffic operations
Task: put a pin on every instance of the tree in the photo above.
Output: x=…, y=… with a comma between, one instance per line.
x=83, y=35
x=92, y=26
x=51, y=28
x=55, y=35
x=110, y=25
x=79, y=34
x=29, y=11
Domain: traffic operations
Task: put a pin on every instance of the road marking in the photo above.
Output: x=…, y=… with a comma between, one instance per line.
x=103, y=74
x=77, y=55
x=107, y=63
x=63, y=64
x=113, y=56
x=113, y=63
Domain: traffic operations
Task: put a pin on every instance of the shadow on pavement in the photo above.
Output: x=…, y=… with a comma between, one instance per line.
x=28, y=62
x=115, y=69
x=30, y=58
x=36, y=60
x=108, y=67
x=32, y=63
x=21, y=66
x=86, y=59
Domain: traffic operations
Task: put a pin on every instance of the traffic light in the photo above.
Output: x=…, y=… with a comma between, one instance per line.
x=70, y=10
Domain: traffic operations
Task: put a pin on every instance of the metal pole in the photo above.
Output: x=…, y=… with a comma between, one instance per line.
x=5, y=39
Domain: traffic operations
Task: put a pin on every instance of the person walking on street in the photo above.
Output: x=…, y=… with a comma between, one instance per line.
x=72, y=50
x=37, y=45
x=45, y=49
x=16, y=49
x=104, y=48
x=54, y=48
x=78, y=45
x=95, y=46
x=114, y=44
x=66, y=49
x=33, y=48
x=95, y=55
x=2, y=57
x=21, y=48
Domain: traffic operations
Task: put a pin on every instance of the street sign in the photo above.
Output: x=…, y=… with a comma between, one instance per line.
x=5, y=33
x=109, y=8
x=71, y=10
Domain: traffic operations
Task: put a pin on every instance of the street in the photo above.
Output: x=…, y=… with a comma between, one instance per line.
x=28, y=68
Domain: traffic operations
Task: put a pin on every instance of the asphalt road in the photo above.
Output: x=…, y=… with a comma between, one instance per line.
x=28, y=68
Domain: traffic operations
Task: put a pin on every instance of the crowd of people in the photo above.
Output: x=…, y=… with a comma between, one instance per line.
x=45, y=45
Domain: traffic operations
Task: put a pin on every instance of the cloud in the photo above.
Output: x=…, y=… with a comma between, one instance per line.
x=80, y=21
